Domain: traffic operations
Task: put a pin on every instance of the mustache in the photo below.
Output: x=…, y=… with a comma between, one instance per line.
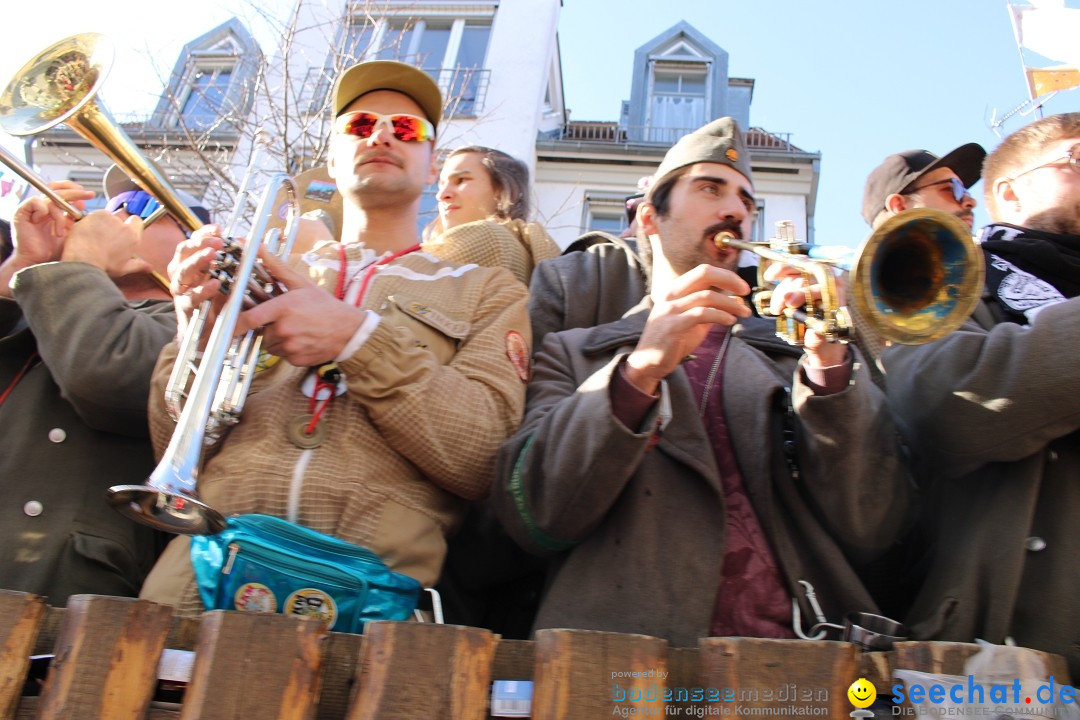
x=379, y=155
x=732, y=226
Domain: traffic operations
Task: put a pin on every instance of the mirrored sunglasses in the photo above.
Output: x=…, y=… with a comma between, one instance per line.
x=406, y=128
x=134, y=202
x=955, y=184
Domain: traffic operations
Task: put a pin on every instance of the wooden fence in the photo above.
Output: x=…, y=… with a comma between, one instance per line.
x=106, y=653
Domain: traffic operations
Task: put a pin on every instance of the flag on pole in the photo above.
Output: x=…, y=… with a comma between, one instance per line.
x=1050, y=29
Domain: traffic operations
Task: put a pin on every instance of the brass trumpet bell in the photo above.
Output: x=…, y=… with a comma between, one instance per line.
x=918, y=277
x=60, y=85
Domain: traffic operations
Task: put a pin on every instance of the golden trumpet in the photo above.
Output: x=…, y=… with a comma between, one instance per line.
x=916, y=278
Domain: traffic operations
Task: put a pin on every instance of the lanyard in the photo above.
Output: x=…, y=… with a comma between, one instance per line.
x=30, y=362
x=329, y=375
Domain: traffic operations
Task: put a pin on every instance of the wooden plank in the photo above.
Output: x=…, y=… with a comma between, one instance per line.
x=684, y=665
x=106, y=659
x=422, y=670
x=21, y=617
x=586, y=674
x=255, y=665
x=513, y=660
x=777, y=675
x=46, y=640
x=933, y=657
x=340, y=655
x=877, y=667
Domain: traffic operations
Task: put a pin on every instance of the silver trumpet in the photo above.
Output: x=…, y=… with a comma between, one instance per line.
x=219, y=378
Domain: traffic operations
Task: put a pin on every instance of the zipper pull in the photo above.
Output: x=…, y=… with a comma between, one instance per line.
x=234, y=548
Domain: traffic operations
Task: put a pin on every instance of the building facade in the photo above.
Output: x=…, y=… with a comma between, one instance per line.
x=502, y=91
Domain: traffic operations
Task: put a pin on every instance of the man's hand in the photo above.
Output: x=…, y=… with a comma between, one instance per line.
x=791, y=291
x=39, y=227
x=306, y=325
x=105, y=241
x=189, y=272
x=680, y=320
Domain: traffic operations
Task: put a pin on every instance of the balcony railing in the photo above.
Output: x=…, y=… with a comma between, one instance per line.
x=584, y=131
x=464, y=89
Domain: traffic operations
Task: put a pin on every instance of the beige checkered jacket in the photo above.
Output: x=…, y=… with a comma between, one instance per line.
x=431, y=395
x=513, y=244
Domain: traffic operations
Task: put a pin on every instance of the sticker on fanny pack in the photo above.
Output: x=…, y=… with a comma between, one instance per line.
x=312, y=602
x=255, y=597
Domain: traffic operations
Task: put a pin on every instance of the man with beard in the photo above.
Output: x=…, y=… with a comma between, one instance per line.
x=651, y=462
x=919, y=179
x=991, y=416
x=906, y=181
x=399, y=374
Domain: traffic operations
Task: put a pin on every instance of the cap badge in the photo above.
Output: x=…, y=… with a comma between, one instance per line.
x=732, y=154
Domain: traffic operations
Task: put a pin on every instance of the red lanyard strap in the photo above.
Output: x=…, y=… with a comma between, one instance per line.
x=30, y=361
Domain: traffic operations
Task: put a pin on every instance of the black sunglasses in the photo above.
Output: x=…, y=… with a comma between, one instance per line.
x=957, y=187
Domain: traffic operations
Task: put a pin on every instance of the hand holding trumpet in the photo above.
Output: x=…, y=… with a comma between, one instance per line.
x=39, y=228
x=795, y=290
x=681, y=318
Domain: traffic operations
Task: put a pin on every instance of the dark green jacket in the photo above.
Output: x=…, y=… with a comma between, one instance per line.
x=637, y=535
x=991, y=413
x=74, y=425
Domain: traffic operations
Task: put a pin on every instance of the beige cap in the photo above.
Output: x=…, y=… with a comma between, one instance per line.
x=375, y=75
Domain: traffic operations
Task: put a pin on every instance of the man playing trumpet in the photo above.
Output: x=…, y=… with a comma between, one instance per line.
x=651, y=461
x=81, y=322
x=399, y=374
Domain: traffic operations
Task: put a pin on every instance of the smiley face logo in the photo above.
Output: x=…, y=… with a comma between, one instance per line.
x=862, y=693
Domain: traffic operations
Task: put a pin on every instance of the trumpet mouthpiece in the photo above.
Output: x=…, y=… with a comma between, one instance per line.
x=721, y=238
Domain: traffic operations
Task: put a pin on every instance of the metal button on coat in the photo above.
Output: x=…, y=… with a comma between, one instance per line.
x=1053, y=456
x=57, y=435
x=1035, y=544
x=33, y=508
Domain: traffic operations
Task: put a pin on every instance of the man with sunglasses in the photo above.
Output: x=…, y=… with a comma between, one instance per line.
x=81, y=325
x=397, y=375
x=919, y=179
x=992, y=414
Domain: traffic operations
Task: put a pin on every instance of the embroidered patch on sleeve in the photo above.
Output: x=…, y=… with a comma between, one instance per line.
x=518, y=352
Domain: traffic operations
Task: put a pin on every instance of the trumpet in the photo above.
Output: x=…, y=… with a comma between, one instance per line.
x=220, y=381
x=60, y=85
x=915, y=279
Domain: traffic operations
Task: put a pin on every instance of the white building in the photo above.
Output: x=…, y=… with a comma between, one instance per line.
x=502, y=92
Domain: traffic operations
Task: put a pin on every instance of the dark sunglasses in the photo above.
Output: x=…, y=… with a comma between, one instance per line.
x=957, y=187
x=134, y=202
x=406, y=128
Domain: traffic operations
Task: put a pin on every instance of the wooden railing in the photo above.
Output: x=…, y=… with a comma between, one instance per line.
x=106, y=653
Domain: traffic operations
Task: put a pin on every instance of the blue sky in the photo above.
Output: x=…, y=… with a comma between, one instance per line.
x=853, y=79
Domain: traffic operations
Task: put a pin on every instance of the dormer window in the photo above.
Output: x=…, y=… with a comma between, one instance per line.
x=204, y=104
x=678, y=100
x=212, y=85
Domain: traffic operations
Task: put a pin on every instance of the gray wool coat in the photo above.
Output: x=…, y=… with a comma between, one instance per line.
x=637, y=535
x=74, y=425
x=992, y=414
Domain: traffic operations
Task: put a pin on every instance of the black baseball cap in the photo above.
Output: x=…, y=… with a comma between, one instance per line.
x=901, y=170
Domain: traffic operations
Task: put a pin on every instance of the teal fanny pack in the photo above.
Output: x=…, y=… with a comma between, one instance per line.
x=262, y=563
